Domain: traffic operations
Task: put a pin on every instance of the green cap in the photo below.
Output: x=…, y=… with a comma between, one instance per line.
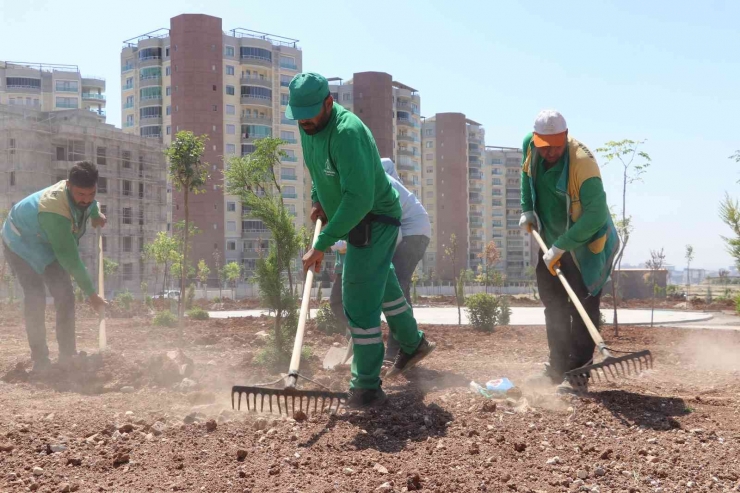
x=307, y=94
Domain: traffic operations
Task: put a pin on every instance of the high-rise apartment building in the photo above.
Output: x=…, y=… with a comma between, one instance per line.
x=37, y=149
x=391, y=110
x=48, y=87
x=231, y=86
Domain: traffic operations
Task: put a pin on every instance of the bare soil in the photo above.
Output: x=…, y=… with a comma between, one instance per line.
x=129, y=421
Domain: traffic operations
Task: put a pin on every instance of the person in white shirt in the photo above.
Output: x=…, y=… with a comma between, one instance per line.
x=414, y=237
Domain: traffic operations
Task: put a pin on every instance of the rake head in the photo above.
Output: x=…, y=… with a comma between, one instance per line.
x=288, y=400
x=610, y=368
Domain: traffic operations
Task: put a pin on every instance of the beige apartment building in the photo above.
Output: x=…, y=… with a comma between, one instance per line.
x=37, y=148
x=391, y=110
x=232, y=86
x=47, y=87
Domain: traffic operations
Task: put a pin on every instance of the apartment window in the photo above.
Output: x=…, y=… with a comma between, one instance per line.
x=102, y=185
x=430, y=194
x=429, y=132
x=168, y=91
x=61, y=154
x=128, y=271
x=12, y=178
x=215, y=107
x=149, y=93
x=69, y=103
x=285, y=80
x=126, y=215
x=430, y=169
x=127, y=244
x=126, y=187
x=105, y=243
x=284, y=99
x=429, y=157
x=168, y=111
x=24, y=82
x=229, y=70
x=497, y=181
x=230, y=90
x=229, y=50
x=230, y=149
x=429, y=144
x=129, y=102
x=430, y=181
x=169, y=130
x=230, y=225
x=126, y=159
x=141, y=190
x=150, y=112
x=347, y=96
x=168, y=71
x=230, y=206
x=230, y=129
x=141, y=217
x=230, y=109
x=231, y=245
x=100, y=153
x=67, y=86
x=166, y=51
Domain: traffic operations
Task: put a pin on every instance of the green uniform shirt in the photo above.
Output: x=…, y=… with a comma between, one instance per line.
x=348, y=178
x=551, y=205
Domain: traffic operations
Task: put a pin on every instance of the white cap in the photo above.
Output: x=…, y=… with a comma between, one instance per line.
x=549, y=129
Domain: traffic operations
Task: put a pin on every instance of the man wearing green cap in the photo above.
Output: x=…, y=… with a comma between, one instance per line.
x=354, y=198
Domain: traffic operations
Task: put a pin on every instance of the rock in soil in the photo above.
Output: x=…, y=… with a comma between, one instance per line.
x=241, y=454
x=211, y=425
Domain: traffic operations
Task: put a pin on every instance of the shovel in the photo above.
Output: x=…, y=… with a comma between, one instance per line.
x=102, y=342
x=579, y=377
x=338, y=356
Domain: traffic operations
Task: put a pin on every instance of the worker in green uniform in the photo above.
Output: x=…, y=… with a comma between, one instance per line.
x=563, y=197
x=354, y=198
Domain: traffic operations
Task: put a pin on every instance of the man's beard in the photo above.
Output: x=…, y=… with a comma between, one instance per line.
x=318, y=128
x=81, y=206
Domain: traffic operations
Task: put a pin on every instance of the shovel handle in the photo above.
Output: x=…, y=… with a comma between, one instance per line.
x=576, y=302
x=295, y=359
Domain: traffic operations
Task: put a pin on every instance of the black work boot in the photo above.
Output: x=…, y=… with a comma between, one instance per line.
x=364, y=398
x=405, y=362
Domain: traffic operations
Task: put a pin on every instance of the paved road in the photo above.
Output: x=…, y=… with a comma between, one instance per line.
x=536, y=316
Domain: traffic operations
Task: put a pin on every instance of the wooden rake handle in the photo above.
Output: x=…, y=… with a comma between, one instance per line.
x=576, y=302
x=295, y=359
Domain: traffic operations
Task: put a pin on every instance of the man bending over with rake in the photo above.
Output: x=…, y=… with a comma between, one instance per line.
x=354, y=198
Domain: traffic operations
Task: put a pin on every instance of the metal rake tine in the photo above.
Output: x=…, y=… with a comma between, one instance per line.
x=624, y=372
x=280, y=409
x=270, y=401
x=609, y=367
x=285, y=401
x=315, y=404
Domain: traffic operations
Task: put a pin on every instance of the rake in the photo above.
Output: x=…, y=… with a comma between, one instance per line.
x=611, y=367
x=289, y=399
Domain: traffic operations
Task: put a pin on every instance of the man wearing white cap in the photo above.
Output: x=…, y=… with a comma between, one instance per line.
x=563, y=197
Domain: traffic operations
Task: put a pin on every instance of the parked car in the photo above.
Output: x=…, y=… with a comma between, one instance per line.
x=170, y=294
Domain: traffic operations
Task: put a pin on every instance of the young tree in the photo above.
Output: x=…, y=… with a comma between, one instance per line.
x=217, y=266
x=655, y=264
x=254, y=179
x=189, y=173
x=724, y=276
x=634, y=164
x=689, y=256
x=530, y=274
x=203, y=272
x=162, y=251
x=451, y=253
x=490, y=256
x=232, y=273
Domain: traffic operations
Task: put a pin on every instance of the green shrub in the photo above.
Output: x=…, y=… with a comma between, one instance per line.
x=737, y=303
x=505, y=316
x=326, y=322
x=198, y=314
x=149, y=301
x=165, y=318
x=189, y=296
x=124, y=299
x=483, y=310
x=271, y=358
x=217, y=299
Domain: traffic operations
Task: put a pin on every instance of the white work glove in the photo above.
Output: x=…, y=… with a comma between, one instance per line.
x=552, y=258
x=340, y=246
x=527, y=222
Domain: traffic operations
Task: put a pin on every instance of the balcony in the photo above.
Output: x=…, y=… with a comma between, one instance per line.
x=476, y=189
x=408, y=167
x=285, y=121
x=284, y=83
x=289, y=177
x=474, y=151
x=150, y=120
x=93, y=96
x=475, y=140
x=254, y=81
x=67, y=106
x=475, y=214
x=407, y=122
x=288, y=65
x=93, y=82
x=287, y=195
x=66, y=89
x=290, y=141
x=150, y=81
x=151, y=100
x=475, y=200
x=127, y=87
x=252, y=138
x=475, y=176
x=150, y=61
x=255, y=120
x=126, y=68
x=292, y=159
x=97, y=111
x=407, y=138
x=260, y=61
x=406, y=152
x=128, y=124
x=255, y=100
x=128, y=106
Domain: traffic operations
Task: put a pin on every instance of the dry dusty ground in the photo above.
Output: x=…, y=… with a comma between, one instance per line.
x=128, y=422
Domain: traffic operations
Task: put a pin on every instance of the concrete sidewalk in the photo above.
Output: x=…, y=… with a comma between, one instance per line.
x=524, y=316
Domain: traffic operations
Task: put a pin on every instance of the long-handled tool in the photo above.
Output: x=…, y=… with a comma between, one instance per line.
x=579, y=377
x=268, y=396
x=102, y=342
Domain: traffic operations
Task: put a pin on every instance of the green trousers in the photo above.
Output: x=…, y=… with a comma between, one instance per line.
x=369, y=288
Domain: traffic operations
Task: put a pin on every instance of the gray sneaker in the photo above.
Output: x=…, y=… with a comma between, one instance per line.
x=405, y=362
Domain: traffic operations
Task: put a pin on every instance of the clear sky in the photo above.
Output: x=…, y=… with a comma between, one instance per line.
x=665, y=72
